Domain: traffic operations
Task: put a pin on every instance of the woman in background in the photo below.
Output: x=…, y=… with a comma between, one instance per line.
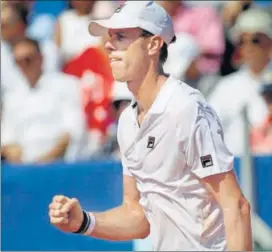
x=70, y=35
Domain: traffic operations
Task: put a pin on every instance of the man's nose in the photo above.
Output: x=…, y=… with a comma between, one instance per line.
x=109, y=46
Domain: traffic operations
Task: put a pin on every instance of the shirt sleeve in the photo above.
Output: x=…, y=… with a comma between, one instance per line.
x=120, y=133
x=205, y=149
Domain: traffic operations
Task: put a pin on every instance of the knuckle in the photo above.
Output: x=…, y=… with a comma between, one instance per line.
x=75, y=200
x=61, y=198
x=55, y=198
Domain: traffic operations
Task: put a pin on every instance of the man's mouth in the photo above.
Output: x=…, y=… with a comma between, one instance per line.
x=114, y=60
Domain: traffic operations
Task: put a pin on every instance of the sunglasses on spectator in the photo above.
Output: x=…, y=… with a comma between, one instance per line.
x=254, y=41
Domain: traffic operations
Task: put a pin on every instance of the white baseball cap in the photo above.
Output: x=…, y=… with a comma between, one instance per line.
x=181, y=54
x=120, y=92
x=146, y=15
x=252, y=20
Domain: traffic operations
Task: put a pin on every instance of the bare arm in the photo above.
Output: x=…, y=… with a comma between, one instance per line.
x=236, y=210
x=125, y=222
x=119, y=224
x=12, y=153
x=57, y=34
x=57, y=151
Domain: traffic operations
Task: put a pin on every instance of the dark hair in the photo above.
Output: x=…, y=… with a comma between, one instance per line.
x=29, y=41
x=117, y=104
x=164, y=49
x=22, y=13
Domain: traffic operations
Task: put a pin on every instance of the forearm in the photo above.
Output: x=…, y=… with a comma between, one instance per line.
x=57, y=151
x=122, y=223
x=12, y=153
x=238, y=228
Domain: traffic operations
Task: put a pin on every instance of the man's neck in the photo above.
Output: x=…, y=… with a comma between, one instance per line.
x=33, y=80
x=148, y=90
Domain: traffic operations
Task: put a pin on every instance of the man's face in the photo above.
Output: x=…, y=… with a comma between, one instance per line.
x=255, y=48
x=128, y=53
x=84, y=6
x=28, y=58
x=10, y=26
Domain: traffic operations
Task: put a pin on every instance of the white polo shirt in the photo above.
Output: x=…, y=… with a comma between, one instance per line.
x=231, y=94
x=36, y=118
x=179, y=142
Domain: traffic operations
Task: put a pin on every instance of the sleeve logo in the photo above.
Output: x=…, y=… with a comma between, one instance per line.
x=206, y=161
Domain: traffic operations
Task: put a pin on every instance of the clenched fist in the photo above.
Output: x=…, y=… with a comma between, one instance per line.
x=65, y=213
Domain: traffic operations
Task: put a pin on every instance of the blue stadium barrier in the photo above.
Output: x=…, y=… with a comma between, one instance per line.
x=27, y=191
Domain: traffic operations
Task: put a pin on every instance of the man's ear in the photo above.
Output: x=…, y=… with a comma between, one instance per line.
x=155, y=45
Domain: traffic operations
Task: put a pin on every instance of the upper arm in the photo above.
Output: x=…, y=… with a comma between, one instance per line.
x=225, y=189
x=57, y=34
x=130, y=190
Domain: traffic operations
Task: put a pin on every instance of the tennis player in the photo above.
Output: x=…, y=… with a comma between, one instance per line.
x=179, y=184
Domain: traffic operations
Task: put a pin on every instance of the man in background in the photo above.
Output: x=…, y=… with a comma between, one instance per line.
x=14, y=25
x=253, y=34
x=43, y=121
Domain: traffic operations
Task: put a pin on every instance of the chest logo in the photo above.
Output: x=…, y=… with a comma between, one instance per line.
x=150, y=142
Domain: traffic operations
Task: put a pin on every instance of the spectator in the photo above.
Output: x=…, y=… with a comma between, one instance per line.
x=71, y=34
x=261, y=136
x=96, y=85
x=42, y=122
x=40, y=26
x=182, y=63
x=253, y=30
x=121, y=97
x=205, y=25
x=13, y=27
x=229, y=14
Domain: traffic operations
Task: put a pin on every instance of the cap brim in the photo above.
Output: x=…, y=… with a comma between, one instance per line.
x=236, y=31
x=100, y=27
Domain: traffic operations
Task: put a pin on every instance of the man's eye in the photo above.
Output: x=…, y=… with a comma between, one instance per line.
x=119, y=36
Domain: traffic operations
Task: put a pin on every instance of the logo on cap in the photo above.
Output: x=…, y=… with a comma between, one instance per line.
x=206, y=161
x=150, y=142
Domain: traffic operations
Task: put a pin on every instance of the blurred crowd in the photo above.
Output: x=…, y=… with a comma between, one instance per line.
x=60, y=101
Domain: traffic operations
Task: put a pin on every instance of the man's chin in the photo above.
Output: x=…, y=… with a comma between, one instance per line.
x=120, y=78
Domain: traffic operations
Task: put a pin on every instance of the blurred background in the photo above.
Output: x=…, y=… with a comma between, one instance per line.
x=60, y=108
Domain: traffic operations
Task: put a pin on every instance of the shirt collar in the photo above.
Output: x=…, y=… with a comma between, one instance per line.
x=162, y=98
